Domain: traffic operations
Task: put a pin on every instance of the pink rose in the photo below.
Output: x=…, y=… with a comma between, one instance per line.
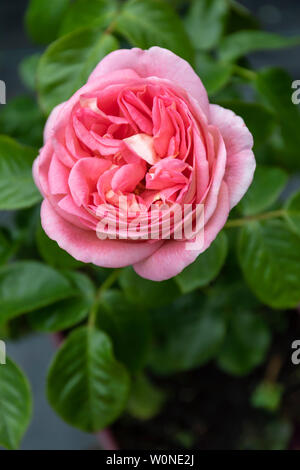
x=141, y=128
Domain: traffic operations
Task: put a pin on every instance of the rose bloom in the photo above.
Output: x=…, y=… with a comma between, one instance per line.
x=141, y=128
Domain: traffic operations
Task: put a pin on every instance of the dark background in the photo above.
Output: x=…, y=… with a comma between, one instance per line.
x=47, y=431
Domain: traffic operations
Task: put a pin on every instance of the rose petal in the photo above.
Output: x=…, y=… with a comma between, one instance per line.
x=157, y=62
x=84, y=245
x=58, y=177
x=172, y=257
x=142, y=145
x=52, y=121
x=238, y=140
x=127, y=177
x=84, y=177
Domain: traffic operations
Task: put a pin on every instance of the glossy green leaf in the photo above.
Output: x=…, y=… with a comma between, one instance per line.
x=270, y=259
x=27, y=221
x=127, y=326
x=246, y=343
x=274, y=86
x=53, y=254
x=205, y=22
x=145, y=400
x=22, y=119
x=89, y=13
x=229, y=287
x=68, y=312
x=28, y=70
x=214, y=74
x=86, y=386
x=232, y=91
x=241, y=43
x=187, y=334
x=147, y=23
x=28, y=285
x=15, y=405
x=68, y=62
x=293, y=212
x=257, y=117
x=17, y=188
x=7, y=246
x=267, y=185
x=206, y=267
x=145, y=293
x=43, y=19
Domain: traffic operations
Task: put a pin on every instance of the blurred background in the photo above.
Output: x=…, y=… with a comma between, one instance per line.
x=274, y=15
x=33, y=353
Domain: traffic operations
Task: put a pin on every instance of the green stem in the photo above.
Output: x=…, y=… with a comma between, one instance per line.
x=247, y=74
x=106, y=285
x=253, y=218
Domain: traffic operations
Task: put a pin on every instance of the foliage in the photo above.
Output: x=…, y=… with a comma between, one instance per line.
x=118, y=327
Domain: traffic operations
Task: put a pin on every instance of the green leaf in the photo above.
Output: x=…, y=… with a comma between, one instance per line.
x=270, y=259
x=86, y=386
x=187, y=334
x=228, y=288
x=274, y=86
x=89, y=13
x=214, y=74
x=53, y=254
x=206, y=267
x=145, y=400
x=24, y=232
x=68, y=62
x=127, y=326
x=28, y=70
x=146, y=23
x=28, y=285
x=177, y=4
x=259, y=120
x=241, y=43
x=43, y=19
x=17, y=188
x=145, y=293
x=15, y=405
x=267, y=395
x=205, y=22
x=232, y=91
x=267, y=185
x=68, y=312
x=246, y=343
x=7, y=247
x=293, y=212
x=22, y=119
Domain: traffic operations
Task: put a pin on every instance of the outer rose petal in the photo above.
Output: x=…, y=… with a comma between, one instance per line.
x=155, y=62
x=84, y=245
x=172, y=257
x=238, y=140
x=52, y=121
x=35, y=174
